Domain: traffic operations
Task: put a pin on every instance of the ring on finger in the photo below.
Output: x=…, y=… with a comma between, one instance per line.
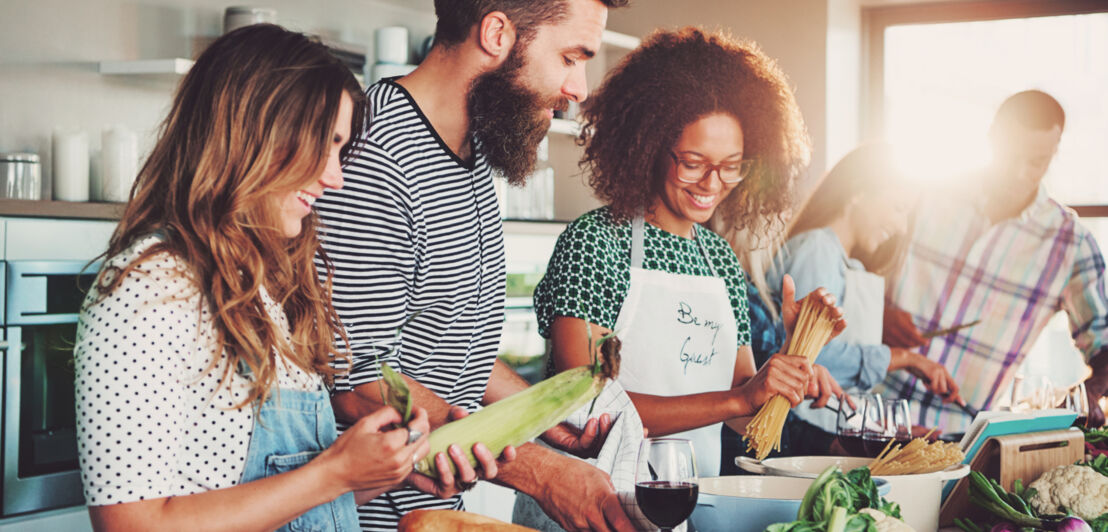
x=414, y=435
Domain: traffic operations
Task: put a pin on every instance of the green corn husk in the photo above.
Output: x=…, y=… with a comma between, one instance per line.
x=524, y=416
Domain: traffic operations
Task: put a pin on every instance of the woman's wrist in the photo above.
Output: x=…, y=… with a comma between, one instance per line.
x=329, y=474
x=741, y=403
x=900, y=358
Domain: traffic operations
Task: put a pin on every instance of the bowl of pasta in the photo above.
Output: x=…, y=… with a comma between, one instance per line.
x=915, y=474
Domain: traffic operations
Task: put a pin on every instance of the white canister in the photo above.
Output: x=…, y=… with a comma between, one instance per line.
x=235, y=17
x=70, y=153
x=391, y=45
x=118, y=163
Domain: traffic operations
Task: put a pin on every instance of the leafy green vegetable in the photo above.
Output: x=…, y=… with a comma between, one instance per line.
x=866, y=490
x=833, y=501
x=1100, y=524
x=968, y=526
x=1096, y=436
x=1099, y=464
x=1012, y=507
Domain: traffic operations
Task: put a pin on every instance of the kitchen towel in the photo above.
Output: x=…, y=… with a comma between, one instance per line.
x=617, y=457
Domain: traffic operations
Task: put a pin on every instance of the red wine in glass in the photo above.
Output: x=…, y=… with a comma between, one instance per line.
x=666, y=503
x=666, y=483
x=852, y=443
x=875, y=444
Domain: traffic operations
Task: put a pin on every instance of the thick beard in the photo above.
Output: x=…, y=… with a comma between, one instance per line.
x=508, y=120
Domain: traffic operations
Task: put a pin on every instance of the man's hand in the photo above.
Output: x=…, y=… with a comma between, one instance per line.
x=584, y=443
x=448, y=484
x=898, y=329
x=579, y=496
x=933, y=374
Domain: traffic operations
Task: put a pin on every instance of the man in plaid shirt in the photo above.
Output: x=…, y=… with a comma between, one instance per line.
x=1006, y=254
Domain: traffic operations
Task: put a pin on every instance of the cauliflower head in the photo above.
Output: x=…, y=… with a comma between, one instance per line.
x=1079, y=488
x=886, y=523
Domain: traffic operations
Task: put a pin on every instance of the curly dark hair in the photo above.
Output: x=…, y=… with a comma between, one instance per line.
x=672, y=80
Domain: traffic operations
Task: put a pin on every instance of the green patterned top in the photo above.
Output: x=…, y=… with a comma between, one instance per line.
x=590, y=271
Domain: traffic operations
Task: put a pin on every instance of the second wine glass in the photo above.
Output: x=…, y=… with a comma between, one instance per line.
x=666, y=483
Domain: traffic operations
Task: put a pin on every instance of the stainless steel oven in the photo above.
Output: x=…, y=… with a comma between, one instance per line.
x=39, y=438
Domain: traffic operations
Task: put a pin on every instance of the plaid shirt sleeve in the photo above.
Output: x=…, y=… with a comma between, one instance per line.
x=1085, y=299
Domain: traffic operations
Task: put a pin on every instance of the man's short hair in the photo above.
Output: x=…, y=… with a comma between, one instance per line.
x=457, y=17
x=1032, y=109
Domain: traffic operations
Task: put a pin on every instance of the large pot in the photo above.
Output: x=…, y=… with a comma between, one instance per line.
x=919, y=496
x=749, y=503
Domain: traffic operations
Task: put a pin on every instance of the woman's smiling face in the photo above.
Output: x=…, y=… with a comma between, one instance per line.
x=713, y=140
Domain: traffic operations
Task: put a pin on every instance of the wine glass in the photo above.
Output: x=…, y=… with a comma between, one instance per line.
x=875, y=433
x=898, y=420
x=1078, y=401
x=666, y=485
x=848, y=424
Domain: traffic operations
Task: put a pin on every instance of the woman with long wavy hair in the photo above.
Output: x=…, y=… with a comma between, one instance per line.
x=688, y=122
x=206, y=347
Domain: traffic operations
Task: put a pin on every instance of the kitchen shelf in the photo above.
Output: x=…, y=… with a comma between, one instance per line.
x=61, y=209
x=619, y=40
x=562, y=126
x=147, y=66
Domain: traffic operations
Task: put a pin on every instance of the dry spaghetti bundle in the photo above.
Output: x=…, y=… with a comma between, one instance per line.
x=916, y=457
x=813, y=330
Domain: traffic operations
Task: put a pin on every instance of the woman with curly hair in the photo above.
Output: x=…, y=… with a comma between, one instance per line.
x=206, y=346
x=687, y=123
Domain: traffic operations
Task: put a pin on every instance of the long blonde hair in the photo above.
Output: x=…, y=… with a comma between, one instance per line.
x=253, y=118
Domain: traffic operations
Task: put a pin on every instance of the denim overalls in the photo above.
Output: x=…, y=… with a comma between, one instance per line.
x=290, y=429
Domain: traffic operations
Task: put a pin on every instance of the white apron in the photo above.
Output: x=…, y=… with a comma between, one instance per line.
x=863, y=307
x=679, y=338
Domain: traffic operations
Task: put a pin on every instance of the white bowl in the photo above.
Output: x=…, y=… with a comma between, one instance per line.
x=919, y=496
x=750, y=503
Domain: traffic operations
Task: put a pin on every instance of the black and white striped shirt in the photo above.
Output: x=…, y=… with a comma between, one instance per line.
x=415, y=229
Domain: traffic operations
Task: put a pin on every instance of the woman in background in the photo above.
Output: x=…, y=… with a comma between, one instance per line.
x=843, y=239
x=206, y=346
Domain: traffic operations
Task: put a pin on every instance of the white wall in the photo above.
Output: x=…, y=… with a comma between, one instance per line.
x=812, y=40
x=50, y=50
x=844, y=79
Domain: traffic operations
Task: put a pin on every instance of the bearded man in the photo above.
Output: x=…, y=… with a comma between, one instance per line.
x=416, y=239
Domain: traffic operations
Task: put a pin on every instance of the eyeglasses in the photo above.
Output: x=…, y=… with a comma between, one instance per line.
x=695, y=170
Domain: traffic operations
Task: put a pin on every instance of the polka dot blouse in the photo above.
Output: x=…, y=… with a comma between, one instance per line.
x=151, y=422
x=590, y=270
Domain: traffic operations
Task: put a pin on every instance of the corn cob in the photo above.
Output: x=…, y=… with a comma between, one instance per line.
x=525, y=415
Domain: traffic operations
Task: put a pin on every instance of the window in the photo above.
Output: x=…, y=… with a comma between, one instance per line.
x=938, y=72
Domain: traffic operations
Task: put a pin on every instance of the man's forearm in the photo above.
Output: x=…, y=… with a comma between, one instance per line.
x=503, y=382
x=366, y=398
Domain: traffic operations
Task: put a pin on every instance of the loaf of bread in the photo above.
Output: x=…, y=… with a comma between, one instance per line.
x=453, y=521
